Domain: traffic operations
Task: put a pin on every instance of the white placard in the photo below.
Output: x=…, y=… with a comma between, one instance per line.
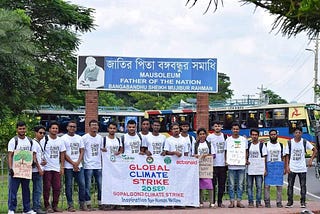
x=256, y=166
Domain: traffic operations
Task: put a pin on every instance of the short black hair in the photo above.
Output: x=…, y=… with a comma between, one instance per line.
x=273, y=130
x=297, y=128
x=132, y=122
x=201, y=130
x=235, y=124
x=145, y=119
x=93, y=121
x=20, y=123
x=53, y=123
x=254, y=130
x=216, y=122
x=183, y=123
x=112, y=123
x=174, y=124
x=38, y=127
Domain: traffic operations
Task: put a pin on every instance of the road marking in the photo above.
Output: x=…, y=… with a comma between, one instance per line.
x=308, y=193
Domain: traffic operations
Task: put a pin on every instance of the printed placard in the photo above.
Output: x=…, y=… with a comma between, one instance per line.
x=257, y=166
x=22, y=164
x=274, y=173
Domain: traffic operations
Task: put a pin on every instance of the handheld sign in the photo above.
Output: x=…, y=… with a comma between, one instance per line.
x=22, y=164
x=274, y=173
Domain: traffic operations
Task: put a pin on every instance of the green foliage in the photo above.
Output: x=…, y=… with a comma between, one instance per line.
x=40, y=64
x=274, y=98
x=8, y=128
x=110, y=99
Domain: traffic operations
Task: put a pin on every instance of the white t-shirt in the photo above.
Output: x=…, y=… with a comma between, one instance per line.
x=220, y=148
x=173, y=144
x=23, y=144
x=203, y=149
x=242, y=143
x=112, y=145
x=92, y=151
x=297, y=162
x=154, y=144
x=254, y=151
x=73, y=145
x=274, y=152
x=39, y=155
x=190, y=144
x=131, y=144
x=52, y=153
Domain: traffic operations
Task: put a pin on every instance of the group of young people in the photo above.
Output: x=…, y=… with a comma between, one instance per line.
x=78, y=158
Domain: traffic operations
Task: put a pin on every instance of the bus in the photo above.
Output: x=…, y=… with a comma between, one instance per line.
x=120, y=115
x=282, y=117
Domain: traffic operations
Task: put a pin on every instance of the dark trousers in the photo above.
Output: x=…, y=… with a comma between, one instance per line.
x=303, y=180
x=219, y=176
x=51, y=179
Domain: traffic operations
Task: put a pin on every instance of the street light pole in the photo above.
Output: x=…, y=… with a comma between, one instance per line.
x=315, y=51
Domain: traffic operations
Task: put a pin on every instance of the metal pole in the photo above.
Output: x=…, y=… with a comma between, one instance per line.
x=316, y=70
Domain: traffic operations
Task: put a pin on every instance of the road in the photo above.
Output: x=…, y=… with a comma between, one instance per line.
x=313, y=190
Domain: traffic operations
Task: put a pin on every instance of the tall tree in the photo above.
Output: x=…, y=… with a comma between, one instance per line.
x=16, y=61
x=292, y=17
x=56, y=26
x=273, y=97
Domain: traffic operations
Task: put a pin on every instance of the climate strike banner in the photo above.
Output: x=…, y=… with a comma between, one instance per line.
x=152, y=181
x=147, y=74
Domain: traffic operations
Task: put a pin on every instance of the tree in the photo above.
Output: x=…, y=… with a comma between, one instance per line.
x=55, y=26
x=273, y=97
x=293, y=17
x=16, y=61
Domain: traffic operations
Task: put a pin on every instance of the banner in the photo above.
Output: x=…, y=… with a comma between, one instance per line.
x=22, y=164
x=206, y=167
x=115, y=73
x=274, y=173
x=257, y=166
x=151, y=181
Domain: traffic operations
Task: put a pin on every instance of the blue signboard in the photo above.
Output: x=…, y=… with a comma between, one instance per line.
x=147, y=74
x=274, y=175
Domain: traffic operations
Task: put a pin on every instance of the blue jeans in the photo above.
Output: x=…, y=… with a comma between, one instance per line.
x=79, y=178
x=14, y=184
x=97, y=174
x=258, y=180
x=37, y=190
x=236, y=175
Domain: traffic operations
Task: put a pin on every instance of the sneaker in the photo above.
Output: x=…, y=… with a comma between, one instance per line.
x=10, y=212
x=289, y=205
x=267, y=205
x=214, y=206
x=30, y=212
x=57, y=210
x=303, y=205
x=201, y=205
x=71, y=209
x=49, y=210
x=250, y=205
x=83, y=207
x=90, y=208
x=259, y=205
x=240, y=205
x=221, y=205
x=279, y=205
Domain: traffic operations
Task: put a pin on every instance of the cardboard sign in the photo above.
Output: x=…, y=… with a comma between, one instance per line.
x=206, y=167
x=275, y=173
x=256, y=166
x=22, y=164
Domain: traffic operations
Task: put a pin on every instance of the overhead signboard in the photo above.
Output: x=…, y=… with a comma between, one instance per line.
x=147, y=74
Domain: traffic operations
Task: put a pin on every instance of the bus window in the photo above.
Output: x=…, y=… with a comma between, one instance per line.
x=279, y=118
x=228, y=120
x=252, y=121
x=298, y=123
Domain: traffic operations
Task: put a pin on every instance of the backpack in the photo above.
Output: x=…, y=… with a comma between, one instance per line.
x=260, y=147
x=45, y=142
x=196, y=146
x=105, y=141
x=16, y=142
x=304, y=145
x=122, y=140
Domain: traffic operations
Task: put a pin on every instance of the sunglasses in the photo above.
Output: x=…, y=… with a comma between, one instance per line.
x=41, y=132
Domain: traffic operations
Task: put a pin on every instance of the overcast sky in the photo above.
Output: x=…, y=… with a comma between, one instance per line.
x=238, y=36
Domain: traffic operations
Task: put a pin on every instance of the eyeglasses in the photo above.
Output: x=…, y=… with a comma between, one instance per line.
x=72, y=126
x=41, y=132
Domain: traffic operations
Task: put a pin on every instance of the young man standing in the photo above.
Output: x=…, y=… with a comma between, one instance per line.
x=236, y=173
x=188, y=139
x=92, y=161
x=19, y=142
x=112, y=144
x=296, y=165
x=54, y=153
x=155, y=141
x=175, y=145
x=145, y=127
x=274, y=153
x=37, y=172
x=217, y=139
x=132, y=141
x=73, y=166
x=256, y=150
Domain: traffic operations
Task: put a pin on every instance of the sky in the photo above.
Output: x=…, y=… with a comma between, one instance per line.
x=239, y=36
